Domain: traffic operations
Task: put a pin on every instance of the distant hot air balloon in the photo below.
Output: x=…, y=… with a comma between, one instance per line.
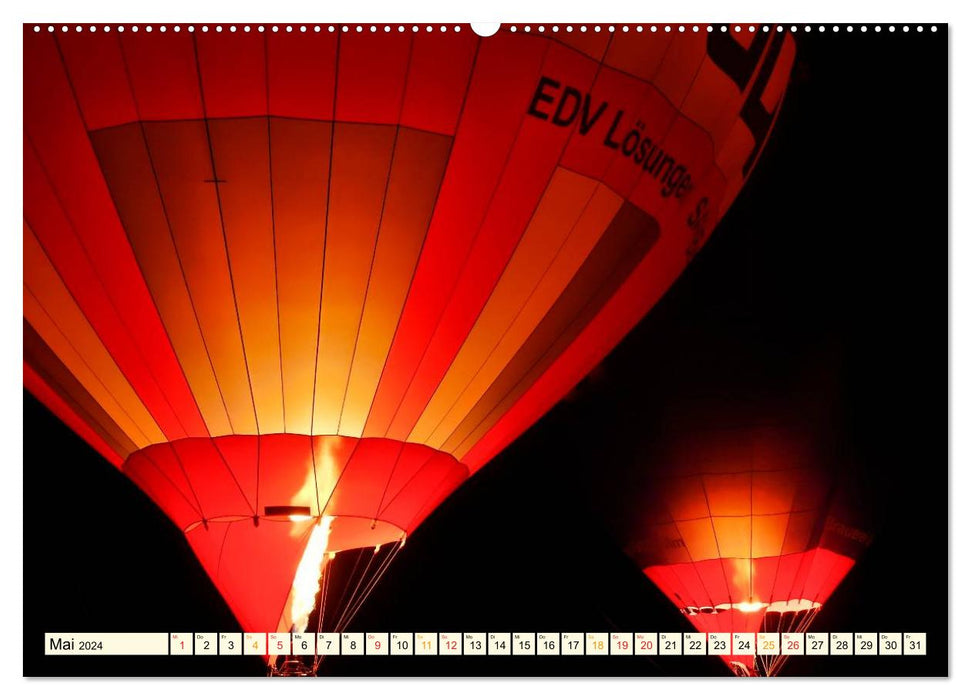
x=298, y=284
x=747, y=528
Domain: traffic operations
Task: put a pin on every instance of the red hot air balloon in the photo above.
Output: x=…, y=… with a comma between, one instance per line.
x=299, y=285
x=745, y=528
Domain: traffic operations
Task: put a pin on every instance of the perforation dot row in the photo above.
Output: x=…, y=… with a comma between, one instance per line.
x=317, y=28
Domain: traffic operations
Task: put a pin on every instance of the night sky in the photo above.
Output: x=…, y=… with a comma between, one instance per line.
x=825, y=273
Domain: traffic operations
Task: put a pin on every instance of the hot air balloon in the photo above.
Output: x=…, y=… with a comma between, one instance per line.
x=299, y=283
x=748, y=524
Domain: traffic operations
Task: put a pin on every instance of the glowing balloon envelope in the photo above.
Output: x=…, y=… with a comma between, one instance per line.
x=744, y=531
x=299, y=285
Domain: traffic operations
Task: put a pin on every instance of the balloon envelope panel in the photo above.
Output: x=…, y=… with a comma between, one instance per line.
x=239, y=243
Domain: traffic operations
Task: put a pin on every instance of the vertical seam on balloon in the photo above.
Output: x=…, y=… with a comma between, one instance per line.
x=387, y=483
x=812, y=563
x=146, y=455
x=229, y=265
x=421, y=250
x=87, y=134
x=825, y=581
x=539, y=360
x=188, y=481
x=751, y=527
x=232, y=474
x=691, y=559
x=175, y=249
x=714, y=532
x=222, y=546
x=377, y=232
x=222, y=225
x=549, y=182
x=824, y=510
x=468, y=255
x=792, y=505
x=313, y=468
x=347, y=465
x=384, y=506
x=323, y=263
x=434, y=493
x=519, y=313
x=330, y=177
x=96, y=376
x=151, y=463
x=153, y=493
x=276, y=269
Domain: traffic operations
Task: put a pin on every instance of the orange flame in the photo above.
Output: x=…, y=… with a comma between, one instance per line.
x=306, y=582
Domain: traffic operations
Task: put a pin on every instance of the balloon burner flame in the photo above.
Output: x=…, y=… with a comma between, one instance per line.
x=306, y=582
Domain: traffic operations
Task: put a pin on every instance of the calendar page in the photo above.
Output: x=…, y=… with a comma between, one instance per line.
x=533, y=348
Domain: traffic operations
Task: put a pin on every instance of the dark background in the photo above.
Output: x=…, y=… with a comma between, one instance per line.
x=825, y=266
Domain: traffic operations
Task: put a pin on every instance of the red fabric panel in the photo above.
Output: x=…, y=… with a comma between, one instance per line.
x=824, y=573
x=428, y=487
x=447, y=484
x=409, y=463
x=164, y=75
x=167, y=464
x=157, y=482
x=441, y=65
x=253, y=567
x=232, y=68
x=301, y=69
x=364, y=479
x=371, y=77
x=765, y=578
x=212, y=480
x=241, y=454
x=97, y=72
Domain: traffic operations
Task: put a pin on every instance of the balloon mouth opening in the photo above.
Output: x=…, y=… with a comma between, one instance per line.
x=347, y=531
x=754, y=606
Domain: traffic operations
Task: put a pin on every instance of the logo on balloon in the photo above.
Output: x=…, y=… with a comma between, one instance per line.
x=564, y=105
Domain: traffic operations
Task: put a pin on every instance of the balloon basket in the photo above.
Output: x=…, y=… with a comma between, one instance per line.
x=292, y=666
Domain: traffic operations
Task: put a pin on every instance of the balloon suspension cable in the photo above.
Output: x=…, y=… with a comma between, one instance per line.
x=371, y=584
x=797, y=621
x=364, y=586
x=803, y=623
